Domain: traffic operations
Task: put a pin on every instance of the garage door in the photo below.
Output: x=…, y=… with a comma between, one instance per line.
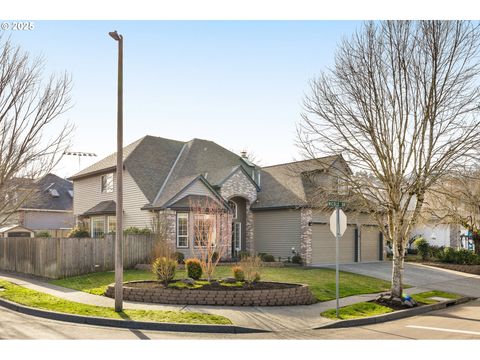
x=369, y=243
x=323, y=245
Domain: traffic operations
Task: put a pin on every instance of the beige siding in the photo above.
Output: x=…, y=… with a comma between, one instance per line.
x=277, y=231
x=87, y=194
x=197, y=188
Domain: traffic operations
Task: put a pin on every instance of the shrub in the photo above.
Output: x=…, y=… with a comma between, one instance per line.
x=422, y=247
x=436, y=251
x=214, y=256
x=238, y=273
x=461, y=257
x=242, y=254
x=164, y=268
x=256, y=277
x=42, y=234
x=78, y=232
x=179, y=257
x=251, y=266
x=194, y=268
x=297, y=259
x=136, y=231
x=266, y=257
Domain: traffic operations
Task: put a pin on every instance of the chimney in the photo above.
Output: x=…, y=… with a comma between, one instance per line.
x=243, y=154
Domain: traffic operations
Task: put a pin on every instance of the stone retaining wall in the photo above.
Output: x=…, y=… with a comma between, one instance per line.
x=297, y=295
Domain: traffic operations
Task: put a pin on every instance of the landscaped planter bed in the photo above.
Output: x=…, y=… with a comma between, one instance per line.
x=258, y=294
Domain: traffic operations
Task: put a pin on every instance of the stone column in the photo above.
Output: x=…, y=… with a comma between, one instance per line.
x=306, y=235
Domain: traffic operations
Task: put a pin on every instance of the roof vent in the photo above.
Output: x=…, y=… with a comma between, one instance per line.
x=243, y=154
x=53, y=192
x=70, y=192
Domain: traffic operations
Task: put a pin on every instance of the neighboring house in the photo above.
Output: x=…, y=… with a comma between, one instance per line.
x=48, y=204
x=438, y=234
x=270, y=208
x=16, y=231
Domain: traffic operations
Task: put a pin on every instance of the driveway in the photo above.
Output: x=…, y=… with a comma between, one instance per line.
x=421, y=276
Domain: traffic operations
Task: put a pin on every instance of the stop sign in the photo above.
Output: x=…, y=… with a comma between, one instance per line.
x=333, y=222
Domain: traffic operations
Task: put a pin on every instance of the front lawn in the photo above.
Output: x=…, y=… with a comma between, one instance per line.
x=320, y=281
x=44, y=301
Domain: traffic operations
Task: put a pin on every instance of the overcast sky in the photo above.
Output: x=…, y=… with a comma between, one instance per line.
x=240, y=84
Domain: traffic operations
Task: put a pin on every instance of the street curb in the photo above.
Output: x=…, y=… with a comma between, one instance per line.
x=129, y=324
x=394, y=315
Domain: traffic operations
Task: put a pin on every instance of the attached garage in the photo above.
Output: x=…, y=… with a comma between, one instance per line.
x=277, y=232
x=369, y=243
x=323, y=245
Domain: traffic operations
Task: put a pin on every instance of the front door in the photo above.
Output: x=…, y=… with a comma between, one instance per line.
x=236, y=238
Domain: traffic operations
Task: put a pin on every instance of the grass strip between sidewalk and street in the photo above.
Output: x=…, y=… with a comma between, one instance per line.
x=321, y=281
x=367, y=309
x=39, y=300
x=356, y=311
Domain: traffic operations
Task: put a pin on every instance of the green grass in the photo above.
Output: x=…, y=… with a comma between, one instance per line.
x=356, y=311
x=44, y=301
x=320, y=281
x=366, y=309
x=425, y=296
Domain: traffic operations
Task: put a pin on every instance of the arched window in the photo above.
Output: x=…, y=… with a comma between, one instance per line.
x=233, y=206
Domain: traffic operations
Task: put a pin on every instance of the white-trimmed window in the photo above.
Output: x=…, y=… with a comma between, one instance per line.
x=204, y=230
x=111, y=224
x=182, y=230
x=98, y=226
x=233, y=206
x=107, y=183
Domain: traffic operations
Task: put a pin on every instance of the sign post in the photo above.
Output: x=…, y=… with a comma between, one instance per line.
x=338, y=225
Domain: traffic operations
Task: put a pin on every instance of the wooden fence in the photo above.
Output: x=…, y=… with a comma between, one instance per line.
x=57, y=258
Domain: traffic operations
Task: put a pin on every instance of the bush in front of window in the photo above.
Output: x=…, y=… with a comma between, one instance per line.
x=179, y=257
x=133, y=230
x=78, y=232
x=164, y=269
x=194, y=268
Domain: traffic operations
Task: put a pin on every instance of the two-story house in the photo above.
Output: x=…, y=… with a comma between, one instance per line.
x=271, y=207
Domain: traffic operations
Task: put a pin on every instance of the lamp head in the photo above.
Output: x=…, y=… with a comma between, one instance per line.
x=115, y=36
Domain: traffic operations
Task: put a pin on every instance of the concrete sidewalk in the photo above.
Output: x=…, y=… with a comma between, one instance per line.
x=270, y=318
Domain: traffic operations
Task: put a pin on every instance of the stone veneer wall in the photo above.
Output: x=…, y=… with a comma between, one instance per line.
x=297, y=295
x=455, y=236
x=239, y=185
x=306, y=235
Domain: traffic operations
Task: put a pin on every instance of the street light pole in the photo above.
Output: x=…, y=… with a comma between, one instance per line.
x=119, y=175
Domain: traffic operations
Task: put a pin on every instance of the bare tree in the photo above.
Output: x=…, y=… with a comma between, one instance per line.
x=400, y=104
x=31, y=143
x=211, y=233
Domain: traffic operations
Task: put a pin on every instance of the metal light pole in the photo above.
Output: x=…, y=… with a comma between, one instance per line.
x=337, y=254
x=119, y=174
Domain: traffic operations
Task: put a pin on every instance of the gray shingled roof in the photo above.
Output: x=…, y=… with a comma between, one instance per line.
x=283, y=185
x=42, y=197
x=108, y=162
x=163, y=167
x=102, y=208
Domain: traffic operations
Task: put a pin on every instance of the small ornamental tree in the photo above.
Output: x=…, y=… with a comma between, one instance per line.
x=211, y=233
